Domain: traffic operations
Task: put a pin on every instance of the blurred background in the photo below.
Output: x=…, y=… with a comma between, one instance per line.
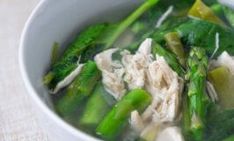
x=18, y=117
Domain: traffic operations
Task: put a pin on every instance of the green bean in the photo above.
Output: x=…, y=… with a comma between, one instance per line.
x=117, y=118
x=96, y=108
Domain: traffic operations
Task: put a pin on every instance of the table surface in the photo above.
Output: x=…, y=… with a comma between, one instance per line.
x=18, y=120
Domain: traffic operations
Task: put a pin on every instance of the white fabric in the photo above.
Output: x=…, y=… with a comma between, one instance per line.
x=18, y=120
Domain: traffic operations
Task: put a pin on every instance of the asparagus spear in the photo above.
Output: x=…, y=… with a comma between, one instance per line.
x=97, y=34
x=169, y=57
x=175, y=45
x=197, y=100
x=117, y=118
x=96, y=107
x=80, y=88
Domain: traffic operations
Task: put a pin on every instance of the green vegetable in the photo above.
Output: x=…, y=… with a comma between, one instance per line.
x=169, y=26
x=200, y=10
x=223, y=81
x=54, y=54
x=175, y=45
x=186, y=117
x=231, y=138
x=129, y=20
x=169, y=57
x=220, y=125
x=93, y=37
x=68, y=62
x=117, y=118
x=197, y=98
x=96, y=108
x=229, y=14
x=202, y=33
x=80, y=89
x=217, y=9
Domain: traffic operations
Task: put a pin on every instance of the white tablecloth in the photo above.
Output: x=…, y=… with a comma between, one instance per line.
x=18, y=121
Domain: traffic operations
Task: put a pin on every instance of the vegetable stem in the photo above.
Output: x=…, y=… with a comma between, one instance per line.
x=197, y=98
x=96, y=108
x=117, y=118
x=169, y=57
x=130, y=19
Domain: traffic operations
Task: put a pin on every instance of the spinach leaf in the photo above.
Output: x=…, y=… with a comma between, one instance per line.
x=202, y=33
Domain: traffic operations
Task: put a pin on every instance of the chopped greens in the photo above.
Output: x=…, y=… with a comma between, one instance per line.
x=163, y=73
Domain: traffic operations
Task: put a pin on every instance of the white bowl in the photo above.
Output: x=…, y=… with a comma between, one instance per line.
x=59, y=20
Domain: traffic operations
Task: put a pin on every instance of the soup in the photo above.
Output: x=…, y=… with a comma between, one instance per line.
x=165, y=72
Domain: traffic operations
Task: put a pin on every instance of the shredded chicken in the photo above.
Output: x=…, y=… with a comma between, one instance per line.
x=225, y=60
x=211, y=92
x=68, y=79
x=164, y=16
x=136, y=122
x=151, y=131
x=170, y=134
x=142, y=70
x=112, y=73
x=216, y=45
x=229, y=3
x=163, y=83
x=136, y=64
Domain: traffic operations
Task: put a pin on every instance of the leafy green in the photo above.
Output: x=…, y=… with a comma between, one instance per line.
x=220, y=124
x=79, y=89
x=103, y=35
x=202, y=33
x=68, y=62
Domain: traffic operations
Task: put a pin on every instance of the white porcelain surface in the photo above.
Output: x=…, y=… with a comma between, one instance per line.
x=59, y=20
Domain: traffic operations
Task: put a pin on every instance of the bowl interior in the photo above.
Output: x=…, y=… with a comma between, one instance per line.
x=59, y=22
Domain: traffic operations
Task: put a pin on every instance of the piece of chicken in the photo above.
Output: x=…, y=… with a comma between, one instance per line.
x=226, y=60
x=136, y=64
x=162, y=83
x=141, y=70
x=172, y=133
x=112, y=73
